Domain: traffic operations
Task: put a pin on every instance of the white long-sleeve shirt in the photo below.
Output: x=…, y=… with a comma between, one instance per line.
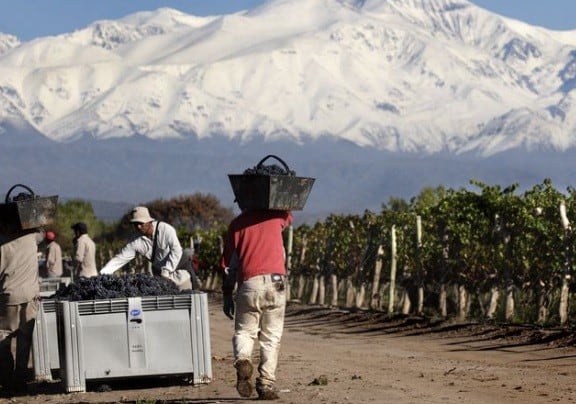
x=19, y=269
x=167, y=255
x=85, y=257
x=54, y=260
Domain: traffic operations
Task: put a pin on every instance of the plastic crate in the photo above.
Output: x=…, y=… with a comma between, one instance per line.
x=49, y=286
x=45, y=342
x=134, y=337
x=275, y=192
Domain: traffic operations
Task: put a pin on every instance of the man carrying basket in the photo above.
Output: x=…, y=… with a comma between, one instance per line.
x=254, y=258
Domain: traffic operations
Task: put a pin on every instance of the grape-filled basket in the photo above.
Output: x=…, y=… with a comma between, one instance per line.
x=26, y=210
x=271, y=187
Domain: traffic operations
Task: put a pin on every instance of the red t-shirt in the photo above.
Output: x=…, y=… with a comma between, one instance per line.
x=256, y=237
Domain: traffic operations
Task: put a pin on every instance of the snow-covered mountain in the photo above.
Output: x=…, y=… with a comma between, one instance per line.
x=421, y=79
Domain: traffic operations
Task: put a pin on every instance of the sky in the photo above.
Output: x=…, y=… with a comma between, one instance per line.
x=29, y=19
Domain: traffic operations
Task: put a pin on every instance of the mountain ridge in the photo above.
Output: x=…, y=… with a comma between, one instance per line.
x=453, y=70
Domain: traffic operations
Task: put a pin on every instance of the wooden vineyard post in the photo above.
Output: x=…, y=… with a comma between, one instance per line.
x=510, y=306
x=334, y=287
x=420, y=307
x=443, y=298
x=564, y=295
x=495, y=290
x=494, y=297
x=392, y=270
x=350, y=292
x=509, y=302
x=321, y=290
x=315, y=286
x=375, y=302
x=463, y=302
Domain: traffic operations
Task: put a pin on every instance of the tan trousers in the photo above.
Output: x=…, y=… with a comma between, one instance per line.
x=16, y=325
x=260, y=307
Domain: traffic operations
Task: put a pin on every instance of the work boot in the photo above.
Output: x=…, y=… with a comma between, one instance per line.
x=244, y=371
x=266, y=392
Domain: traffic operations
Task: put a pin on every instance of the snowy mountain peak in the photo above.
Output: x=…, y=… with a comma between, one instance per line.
x=111, y=34
x=8, y=42
x=421, y=76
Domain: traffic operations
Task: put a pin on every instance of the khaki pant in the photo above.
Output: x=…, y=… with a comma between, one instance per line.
x=260, y=306
x=16, y=325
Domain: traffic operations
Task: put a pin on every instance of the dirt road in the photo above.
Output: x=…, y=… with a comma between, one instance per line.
x=333, y=356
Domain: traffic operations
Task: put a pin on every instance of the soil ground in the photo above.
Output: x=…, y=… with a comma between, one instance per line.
x=339, y=356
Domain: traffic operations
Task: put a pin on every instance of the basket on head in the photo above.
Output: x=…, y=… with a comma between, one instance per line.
x=27, y=210
x=271, y=187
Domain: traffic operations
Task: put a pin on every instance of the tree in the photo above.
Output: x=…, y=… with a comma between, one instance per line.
x=190, y=212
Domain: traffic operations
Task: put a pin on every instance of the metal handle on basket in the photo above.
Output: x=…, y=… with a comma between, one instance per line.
x=14, y=186
x=277, y=158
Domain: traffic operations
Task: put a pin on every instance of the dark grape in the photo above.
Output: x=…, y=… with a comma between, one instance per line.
x=111, y=286
x=272, y=169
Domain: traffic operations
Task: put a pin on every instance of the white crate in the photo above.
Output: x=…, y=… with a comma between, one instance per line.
x=134, y=337
x=49, y=286
x=45, y=342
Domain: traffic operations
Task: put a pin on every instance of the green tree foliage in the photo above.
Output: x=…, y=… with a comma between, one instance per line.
x=396, y=205
x=70, y=212
x=190, y=212
x=427, y=198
